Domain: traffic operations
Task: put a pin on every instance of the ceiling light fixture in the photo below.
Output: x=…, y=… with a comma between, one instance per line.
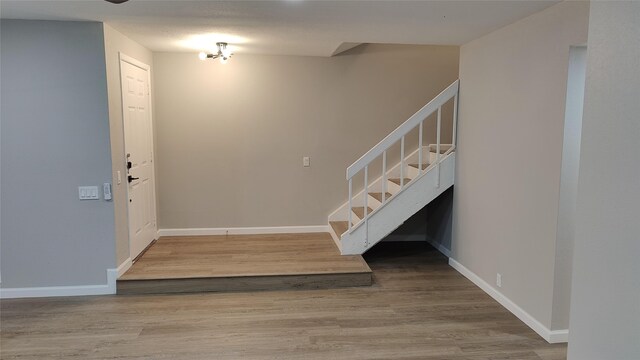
x=223, y=53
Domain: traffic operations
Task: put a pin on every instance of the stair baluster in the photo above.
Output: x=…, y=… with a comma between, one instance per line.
x=365, y=193
x=455, y=121
x=420, y=148
x=438, y=144
x=402, y=163
x=384, y=176
x=350, y=205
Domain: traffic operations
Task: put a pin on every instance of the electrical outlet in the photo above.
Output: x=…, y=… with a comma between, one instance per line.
x=306, y=161
x=499, y=279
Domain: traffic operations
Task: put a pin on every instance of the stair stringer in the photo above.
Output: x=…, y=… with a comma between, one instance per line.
x=399, y=209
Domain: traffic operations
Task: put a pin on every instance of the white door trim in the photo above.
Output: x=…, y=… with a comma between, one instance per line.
x=128, y=59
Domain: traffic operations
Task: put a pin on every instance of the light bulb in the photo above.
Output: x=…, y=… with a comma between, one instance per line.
x=202, y=55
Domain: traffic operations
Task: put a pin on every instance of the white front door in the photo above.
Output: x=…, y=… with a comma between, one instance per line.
x=138, y=139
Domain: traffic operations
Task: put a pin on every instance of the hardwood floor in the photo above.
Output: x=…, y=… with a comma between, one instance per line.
x=242, y=263
x=243, y=255
x=418, y=308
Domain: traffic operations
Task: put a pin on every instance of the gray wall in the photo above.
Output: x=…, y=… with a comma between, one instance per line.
x=114, y=43
x=55, y=137
x=231, y=138
x=510, y=134
x=605, y=299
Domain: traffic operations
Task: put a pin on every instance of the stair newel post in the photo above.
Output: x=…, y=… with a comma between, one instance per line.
x=366, y=206
x=402, y=162
x=384, y=176
x=438, y=144
x=350, y=205
x=420, y=148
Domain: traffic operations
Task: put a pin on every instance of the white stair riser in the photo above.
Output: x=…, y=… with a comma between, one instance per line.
x=411, y=172
x=354, y=218
x=374, y=203
x=393, y=188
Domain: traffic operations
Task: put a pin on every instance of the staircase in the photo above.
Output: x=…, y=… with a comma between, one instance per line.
x=386, y=202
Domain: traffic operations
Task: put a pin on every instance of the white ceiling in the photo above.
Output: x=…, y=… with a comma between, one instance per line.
x=288, y=27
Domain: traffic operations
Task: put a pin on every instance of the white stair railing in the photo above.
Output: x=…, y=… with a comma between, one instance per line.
x=416, y=120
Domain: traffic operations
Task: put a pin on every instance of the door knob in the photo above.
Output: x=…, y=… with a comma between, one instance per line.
x=131, y=178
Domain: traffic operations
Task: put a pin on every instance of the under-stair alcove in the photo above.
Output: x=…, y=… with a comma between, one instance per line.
x=431, y=224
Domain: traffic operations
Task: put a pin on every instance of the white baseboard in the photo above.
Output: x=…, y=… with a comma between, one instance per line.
x=558, y=336
x=555, y=336
x=124, y=267
x=244, y=230
x=51, y=291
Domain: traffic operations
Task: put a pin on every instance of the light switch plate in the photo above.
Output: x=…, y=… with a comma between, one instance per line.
x=106, y=191
x=306, y=161
x=88, y=193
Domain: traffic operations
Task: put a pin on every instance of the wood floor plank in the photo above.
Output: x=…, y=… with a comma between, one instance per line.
x=419, y=308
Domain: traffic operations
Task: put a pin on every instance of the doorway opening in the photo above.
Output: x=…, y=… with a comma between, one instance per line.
x=569, y=186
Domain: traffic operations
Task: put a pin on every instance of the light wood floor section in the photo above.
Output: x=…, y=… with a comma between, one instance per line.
x=419, y=308
x=243, y=255
x=243, y=262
